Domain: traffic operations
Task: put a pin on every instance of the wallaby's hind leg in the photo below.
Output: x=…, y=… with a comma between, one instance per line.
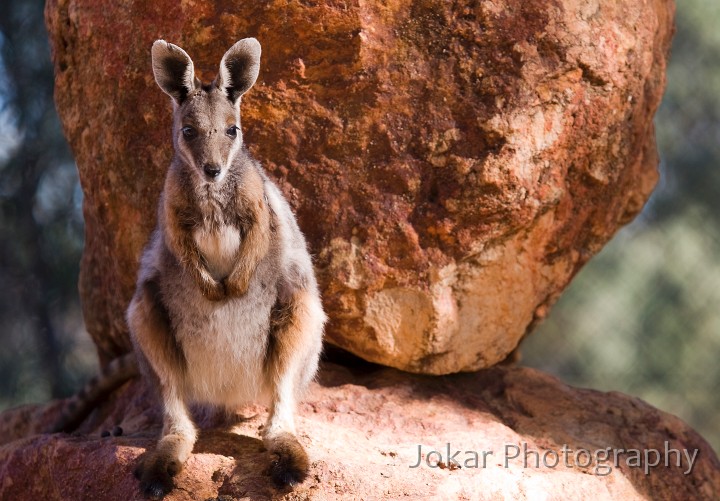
x=160, y=466
x=295, y=345
x=163, y=361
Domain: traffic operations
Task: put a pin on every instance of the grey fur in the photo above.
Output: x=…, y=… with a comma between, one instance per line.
x=227, y=308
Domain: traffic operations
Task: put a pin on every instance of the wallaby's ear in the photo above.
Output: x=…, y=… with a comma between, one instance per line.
x=239, y=68
x=173, y=69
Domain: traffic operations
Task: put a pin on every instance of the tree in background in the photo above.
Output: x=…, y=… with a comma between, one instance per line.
x=643, y=317
x=40, y=220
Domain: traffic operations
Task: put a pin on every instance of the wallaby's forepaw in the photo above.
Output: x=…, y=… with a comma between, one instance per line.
x=290, y=464
x=236, y=285
x=156, y=476
x=214, y=291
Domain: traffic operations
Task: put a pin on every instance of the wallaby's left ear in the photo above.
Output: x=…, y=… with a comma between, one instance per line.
x=174, y=70
x=239, y=68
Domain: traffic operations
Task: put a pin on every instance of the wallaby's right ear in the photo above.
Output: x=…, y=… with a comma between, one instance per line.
x=174, y=70
x=239, y=68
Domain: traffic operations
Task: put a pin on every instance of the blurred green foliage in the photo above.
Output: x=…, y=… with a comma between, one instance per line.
x=44, y=352
x=643, y=317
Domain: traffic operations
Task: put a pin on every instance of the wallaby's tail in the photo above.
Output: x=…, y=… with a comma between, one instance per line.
x=78, y=406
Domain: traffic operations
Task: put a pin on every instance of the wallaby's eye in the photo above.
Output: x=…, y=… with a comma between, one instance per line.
x=231, y=131
x=189, y=132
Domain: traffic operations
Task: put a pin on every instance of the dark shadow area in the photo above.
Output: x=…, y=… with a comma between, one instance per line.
x=332, y=354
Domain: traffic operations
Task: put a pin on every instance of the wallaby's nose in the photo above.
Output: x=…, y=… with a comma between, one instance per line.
x=212, y=171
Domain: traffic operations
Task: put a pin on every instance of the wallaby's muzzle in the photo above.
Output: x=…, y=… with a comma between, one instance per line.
x=211, y=171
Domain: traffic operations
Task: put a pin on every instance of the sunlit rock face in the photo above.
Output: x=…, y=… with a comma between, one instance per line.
x=505, y=433
x=452, y=164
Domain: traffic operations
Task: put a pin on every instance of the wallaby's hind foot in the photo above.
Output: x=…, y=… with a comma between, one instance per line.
x=290, y=464
x=156, y=474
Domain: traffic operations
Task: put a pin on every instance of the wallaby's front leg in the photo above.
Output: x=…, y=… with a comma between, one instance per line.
x=255, y=246
x=165, y=364
x=178, y=234
x=210, y=288
x=294, y=351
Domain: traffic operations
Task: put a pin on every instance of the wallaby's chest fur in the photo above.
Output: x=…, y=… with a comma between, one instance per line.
x=216, y=229
x=218, y=247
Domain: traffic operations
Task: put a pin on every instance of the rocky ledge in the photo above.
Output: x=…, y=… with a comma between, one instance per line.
x=511, y=433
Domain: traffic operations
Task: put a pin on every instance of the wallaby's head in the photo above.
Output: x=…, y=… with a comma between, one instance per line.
x=206, y=118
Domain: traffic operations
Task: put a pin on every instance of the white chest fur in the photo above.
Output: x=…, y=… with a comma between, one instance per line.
x=219, y=248
x=224, y=342
x=225, y=350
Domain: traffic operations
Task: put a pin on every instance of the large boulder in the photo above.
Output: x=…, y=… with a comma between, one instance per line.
x=453, y=164
x=535, y=438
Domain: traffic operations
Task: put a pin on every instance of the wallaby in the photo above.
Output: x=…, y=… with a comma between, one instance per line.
x=227, y=309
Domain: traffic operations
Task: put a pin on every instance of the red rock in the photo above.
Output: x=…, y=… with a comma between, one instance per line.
x=453, y=164
x=362, y=433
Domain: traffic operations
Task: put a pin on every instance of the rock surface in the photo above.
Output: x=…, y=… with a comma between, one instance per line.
x=453, y=164
x=362, y=432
